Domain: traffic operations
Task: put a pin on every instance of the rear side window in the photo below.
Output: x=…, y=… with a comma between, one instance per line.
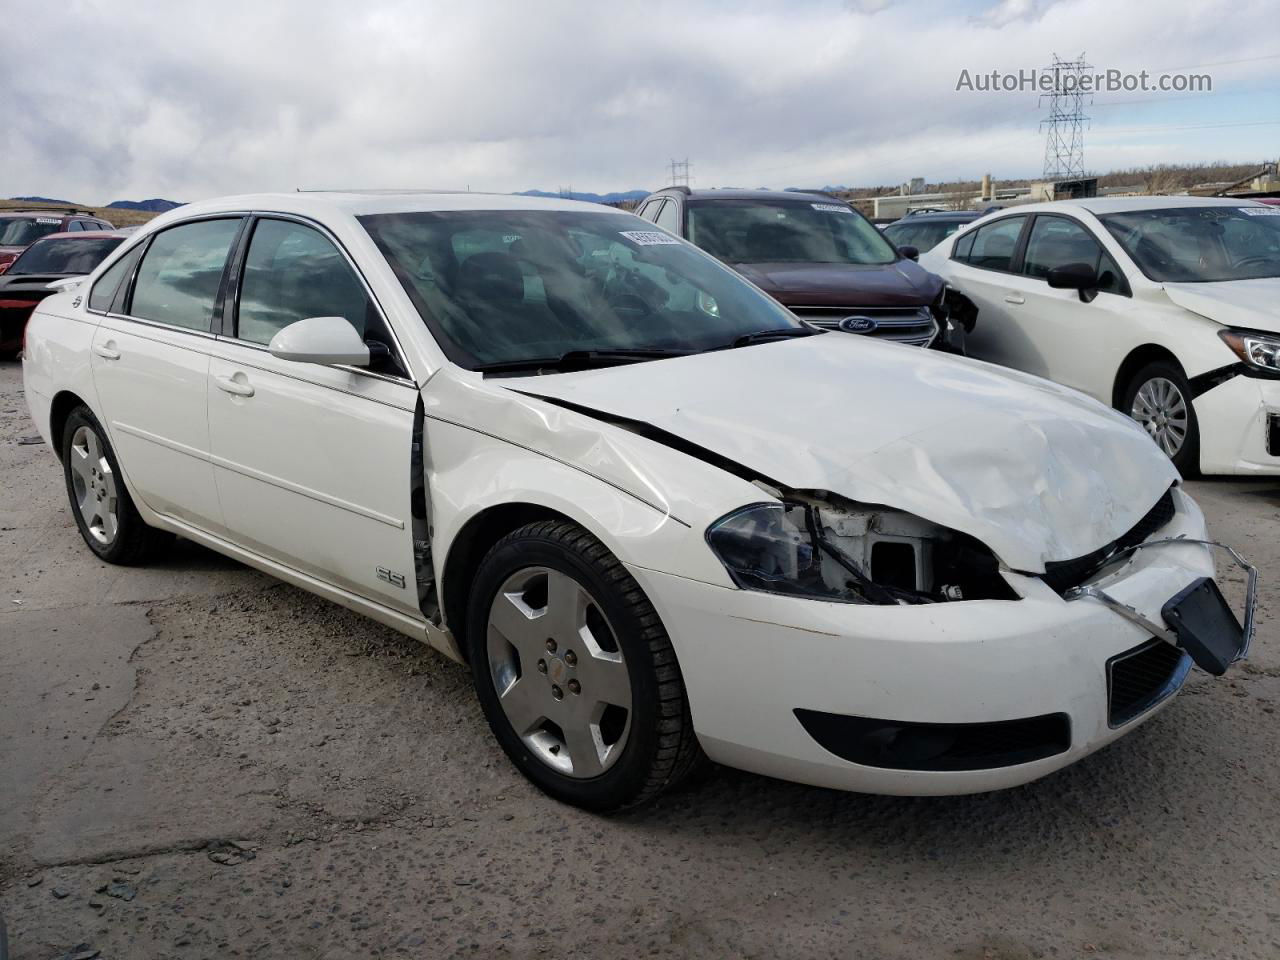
x=993, y=245
x=179, y=277
x=76, y=226
x=293, y=272
x=103, y=293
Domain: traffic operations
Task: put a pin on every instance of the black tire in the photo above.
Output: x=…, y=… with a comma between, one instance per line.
x=1187, y=457
x=660, y=748
x=134, y=542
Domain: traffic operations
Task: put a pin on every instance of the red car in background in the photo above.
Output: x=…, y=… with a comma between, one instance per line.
x=20, y=228
x=27, y=281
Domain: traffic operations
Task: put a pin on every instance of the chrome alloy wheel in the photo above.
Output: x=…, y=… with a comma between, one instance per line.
x=95, y=489
x=1160, y=407
x=558, y=671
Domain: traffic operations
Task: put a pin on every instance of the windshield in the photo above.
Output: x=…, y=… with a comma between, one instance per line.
x=786, y=231
x=501, y=286
x=1201, y=244
x=69, y=256
x=18, y=232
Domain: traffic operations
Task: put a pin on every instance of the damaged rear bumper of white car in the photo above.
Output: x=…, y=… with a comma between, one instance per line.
x=935, y=698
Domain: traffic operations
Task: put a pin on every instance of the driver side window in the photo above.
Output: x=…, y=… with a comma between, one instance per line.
x=1057, y=242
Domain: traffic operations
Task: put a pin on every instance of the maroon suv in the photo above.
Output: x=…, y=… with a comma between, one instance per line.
x=817, y=256
x=20, y=228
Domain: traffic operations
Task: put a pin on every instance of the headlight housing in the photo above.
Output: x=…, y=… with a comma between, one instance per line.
x=823, y=547
x=1259, y=350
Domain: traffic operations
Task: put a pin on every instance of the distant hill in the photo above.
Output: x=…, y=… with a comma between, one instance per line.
x=632, y=195
x=65, y=203
x=149, y=206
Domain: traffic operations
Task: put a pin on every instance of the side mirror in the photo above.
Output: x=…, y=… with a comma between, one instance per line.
x=1075, y=276
x=910, y=252
x=328, y=340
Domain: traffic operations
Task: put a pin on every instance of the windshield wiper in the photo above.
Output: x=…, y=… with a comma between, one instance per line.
x=764, y=336
x=581, y=360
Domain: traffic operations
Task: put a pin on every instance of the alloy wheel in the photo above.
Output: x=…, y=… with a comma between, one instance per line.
x=94, y=483
x=559, y=673
x=1160, y=407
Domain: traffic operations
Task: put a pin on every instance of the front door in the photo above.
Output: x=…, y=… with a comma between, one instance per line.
x=312, y=463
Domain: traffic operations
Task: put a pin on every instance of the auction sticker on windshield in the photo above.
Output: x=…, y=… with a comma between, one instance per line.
x=649, y=238
x=1261, y=211
x=831, y=207
x=47, y=220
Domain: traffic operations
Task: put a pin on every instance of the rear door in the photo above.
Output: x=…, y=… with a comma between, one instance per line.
x=150, y=361
x=983, y=268
x=312, y=463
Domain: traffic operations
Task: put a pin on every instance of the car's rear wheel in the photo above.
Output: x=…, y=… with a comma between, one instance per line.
x=1159, y=398
x=575, y=672
x=108, y=520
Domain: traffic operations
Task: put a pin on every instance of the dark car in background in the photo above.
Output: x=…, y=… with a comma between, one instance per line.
x=20, y=228
x=27, y=281
x=925, y=229
x=815, y=255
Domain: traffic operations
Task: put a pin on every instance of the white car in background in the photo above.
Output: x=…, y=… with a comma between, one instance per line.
x=657, y=515
x=1166, y=308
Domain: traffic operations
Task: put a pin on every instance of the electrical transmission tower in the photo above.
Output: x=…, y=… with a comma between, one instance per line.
x=1064, y=127
x=680, y=173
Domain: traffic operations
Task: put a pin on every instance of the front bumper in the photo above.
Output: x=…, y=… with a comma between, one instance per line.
x=750, y=660
x=1235, y=427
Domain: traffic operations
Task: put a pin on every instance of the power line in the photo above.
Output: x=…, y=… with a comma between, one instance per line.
x=1191, y=126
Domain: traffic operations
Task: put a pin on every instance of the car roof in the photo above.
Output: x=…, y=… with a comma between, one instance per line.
x=734, y=193
x=360, y=203
x=50, y=214
x=1105, y=205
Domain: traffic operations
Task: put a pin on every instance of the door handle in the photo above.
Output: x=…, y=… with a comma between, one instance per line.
x=1014, y=298
x=107, y=351
x=237, y=387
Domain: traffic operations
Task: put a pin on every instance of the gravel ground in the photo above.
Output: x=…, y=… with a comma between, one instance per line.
x=198, y=761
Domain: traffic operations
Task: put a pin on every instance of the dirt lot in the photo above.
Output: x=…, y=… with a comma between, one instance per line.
x=197, y=761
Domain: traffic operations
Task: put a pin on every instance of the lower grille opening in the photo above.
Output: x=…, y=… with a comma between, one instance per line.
x=1273, y=435
x=1140, y=678
x=898, y=745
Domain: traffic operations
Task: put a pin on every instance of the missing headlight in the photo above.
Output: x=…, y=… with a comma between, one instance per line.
x=822, y=546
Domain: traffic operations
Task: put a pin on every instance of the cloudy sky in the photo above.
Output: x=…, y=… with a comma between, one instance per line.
x=110, y=100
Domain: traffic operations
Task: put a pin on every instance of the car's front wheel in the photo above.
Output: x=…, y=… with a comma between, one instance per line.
x=1159, y=398
x=104, y=511
x=574, y=670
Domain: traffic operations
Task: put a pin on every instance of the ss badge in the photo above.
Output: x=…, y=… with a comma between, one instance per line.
x=391, y=577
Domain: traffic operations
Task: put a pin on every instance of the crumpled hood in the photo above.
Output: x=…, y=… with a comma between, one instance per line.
x=1237, y=303
x=1036, y=471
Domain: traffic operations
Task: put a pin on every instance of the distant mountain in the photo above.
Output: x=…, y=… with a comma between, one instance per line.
x=65, y=203
x=149, y=206
x=632, y=195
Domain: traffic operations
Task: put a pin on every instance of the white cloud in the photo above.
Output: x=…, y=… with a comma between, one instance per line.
x=154, y=98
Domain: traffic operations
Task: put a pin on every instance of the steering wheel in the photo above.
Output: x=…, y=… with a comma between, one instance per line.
x=629, y=306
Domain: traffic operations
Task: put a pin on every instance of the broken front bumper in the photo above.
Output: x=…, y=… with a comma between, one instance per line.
x=754, y=664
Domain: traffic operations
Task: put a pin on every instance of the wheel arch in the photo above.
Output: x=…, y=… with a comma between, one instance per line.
x=1138, y=358
x=64, y=401
x=470, y=545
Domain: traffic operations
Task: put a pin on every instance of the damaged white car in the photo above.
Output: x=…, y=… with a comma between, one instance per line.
x=658, y=517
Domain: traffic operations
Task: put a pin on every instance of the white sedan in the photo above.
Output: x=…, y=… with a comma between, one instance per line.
x=1167, y=308
x=658, y=517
